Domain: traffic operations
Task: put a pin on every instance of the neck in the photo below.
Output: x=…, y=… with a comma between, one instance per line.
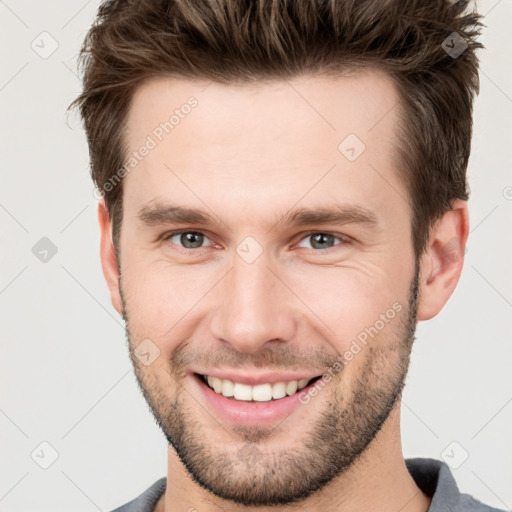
x=378, y=480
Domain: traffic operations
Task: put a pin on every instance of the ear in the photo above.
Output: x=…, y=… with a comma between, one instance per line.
x=109, y=258
x=441, y=263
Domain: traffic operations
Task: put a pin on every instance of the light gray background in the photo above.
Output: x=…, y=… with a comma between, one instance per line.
x=65, y=374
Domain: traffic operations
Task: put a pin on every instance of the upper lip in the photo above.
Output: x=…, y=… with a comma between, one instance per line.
x=255, y=379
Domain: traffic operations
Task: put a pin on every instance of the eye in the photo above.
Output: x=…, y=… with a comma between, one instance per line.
x=194, y=239
x=188, y=239
x=321, y=240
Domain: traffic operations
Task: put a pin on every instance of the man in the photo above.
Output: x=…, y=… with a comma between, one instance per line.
x=284, y=196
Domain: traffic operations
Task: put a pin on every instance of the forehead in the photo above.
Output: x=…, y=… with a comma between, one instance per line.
x=264, y=141
x=353, y=103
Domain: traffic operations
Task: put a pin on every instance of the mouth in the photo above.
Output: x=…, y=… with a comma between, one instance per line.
x=266, y=392
x=260, y=405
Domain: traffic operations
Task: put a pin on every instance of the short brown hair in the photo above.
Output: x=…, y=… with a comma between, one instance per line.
x=238, y=41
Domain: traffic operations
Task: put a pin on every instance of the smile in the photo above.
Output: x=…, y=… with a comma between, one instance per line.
x=260, y=393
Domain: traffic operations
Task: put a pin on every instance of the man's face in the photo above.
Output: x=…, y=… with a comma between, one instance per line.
x=251, y=292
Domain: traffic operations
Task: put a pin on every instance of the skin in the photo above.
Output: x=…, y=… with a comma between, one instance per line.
x=249, y=154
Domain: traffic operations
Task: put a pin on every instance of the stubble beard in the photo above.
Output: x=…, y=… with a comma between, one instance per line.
x=252, y=470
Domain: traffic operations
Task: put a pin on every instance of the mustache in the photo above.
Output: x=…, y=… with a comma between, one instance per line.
x=278, y=357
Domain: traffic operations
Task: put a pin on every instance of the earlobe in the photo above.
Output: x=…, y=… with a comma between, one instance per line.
x=108, y=257
x=442, y=262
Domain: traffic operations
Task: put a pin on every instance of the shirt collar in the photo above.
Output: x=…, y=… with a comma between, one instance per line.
x=435, y=479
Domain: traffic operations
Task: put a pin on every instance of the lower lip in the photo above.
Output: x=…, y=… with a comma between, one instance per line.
x=249, y=413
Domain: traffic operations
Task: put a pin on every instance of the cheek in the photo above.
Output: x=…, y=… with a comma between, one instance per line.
x=161, y=300
x=347, y=301
x=167, y=303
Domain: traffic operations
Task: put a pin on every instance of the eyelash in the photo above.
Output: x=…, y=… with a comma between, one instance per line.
x=343, y=239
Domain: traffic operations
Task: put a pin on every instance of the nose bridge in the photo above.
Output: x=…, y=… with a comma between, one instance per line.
x=252, y=306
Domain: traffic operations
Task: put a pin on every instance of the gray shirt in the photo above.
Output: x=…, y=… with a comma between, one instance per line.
x=433, y=477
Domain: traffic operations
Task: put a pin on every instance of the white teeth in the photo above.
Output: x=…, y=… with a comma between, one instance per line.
x=228, y=387
x=215, y=383
x=242, y=391
x=258, y=393
x=262, y=392
x=279, y=390
x=291, y=387
x=302, y=383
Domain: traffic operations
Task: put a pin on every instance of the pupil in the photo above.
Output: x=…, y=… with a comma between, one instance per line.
x=188, y=238
x=322, y=237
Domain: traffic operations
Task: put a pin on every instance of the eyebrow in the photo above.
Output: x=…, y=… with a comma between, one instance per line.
x=155, y=214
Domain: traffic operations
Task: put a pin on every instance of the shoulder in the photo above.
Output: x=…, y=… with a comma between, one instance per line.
x=146, y=501
x=435, y=479
x=470, y=504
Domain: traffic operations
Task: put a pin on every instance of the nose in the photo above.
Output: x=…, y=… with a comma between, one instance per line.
x=254, y=307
